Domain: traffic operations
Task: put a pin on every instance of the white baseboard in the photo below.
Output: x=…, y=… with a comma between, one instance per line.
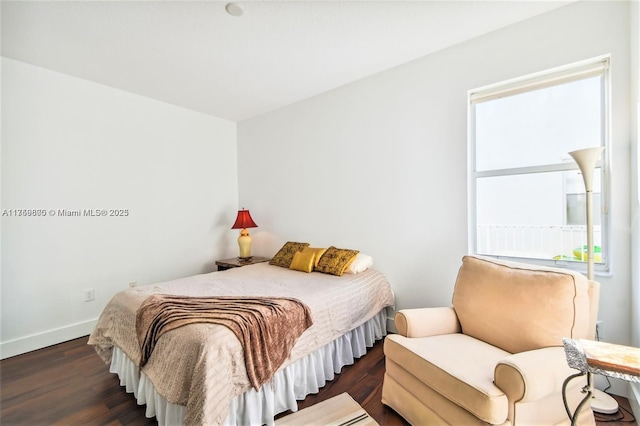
x=47, y=338
x=634, y=399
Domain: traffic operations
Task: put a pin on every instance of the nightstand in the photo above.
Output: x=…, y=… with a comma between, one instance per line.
x=236, y=262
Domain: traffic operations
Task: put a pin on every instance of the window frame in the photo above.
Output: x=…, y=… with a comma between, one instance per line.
x=599, y=66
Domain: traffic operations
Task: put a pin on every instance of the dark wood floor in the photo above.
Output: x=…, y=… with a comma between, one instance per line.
x=68, y=384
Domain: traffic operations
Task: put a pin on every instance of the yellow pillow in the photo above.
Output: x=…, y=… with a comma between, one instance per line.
x=285, y=254
x=334, y=261
x=303, y=262
x=317, y=251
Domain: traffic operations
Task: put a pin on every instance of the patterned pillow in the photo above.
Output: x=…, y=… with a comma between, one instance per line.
x=303, y=261
x=285, y=255
x=334, y=261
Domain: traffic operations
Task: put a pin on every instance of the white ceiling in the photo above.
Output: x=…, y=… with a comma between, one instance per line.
x=194, y=54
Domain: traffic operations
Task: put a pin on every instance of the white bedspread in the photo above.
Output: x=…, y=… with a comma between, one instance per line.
x=201, y=366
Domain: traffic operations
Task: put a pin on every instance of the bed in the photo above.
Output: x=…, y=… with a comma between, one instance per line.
x=197, y=375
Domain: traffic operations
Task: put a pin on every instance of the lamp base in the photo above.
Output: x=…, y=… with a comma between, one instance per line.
x=603, y=403
x=245, y=259
x=244, y=242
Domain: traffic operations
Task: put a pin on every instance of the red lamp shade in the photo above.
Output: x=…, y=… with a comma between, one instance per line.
x=244, y=220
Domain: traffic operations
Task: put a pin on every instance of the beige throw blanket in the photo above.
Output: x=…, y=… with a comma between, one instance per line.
x=267, y=328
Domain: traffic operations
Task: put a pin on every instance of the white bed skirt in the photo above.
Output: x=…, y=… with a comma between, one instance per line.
x=305, y=376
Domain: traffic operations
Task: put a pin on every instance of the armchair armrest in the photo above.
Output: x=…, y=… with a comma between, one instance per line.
x=533, y=375
x=424, y=322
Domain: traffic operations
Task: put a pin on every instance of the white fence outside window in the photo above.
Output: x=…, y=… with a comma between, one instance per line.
x=559, y=242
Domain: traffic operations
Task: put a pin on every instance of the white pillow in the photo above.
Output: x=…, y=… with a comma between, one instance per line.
x=361, y=263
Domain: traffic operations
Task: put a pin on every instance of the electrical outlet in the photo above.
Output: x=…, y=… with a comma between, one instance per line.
x=133, y=284
x=89, y=295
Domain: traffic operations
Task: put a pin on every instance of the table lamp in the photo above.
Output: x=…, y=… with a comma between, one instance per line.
x=244, y=221
x=587, y=160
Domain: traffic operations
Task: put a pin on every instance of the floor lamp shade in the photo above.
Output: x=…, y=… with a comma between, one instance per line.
x=244, y=221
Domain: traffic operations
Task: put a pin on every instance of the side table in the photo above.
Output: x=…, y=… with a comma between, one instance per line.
x=593, y=357
x=236, y=262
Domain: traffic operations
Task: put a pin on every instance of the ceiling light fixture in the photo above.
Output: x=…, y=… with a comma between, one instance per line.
x=234, y=9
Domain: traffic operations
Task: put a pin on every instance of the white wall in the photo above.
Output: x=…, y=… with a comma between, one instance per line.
x=72, y=144
x=380, y=165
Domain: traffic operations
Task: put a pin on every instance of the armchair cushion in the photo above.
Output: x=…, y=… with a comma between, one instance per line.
x=495, y=301
x=458, y=367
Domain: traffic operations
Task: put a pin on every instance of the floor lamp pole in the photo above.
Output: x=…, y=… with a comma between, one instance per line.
x=587, y=159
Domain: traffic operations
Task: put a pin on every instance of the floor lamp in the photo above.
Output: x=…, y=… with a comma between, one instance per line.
x=587, y=159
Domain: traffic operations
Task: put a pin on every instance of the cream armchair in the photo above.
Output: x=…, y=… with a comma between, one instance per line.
x=496, y=356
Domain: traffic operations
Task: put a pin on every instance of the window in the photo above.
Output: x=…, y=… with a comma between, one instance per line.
x=526, y=194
